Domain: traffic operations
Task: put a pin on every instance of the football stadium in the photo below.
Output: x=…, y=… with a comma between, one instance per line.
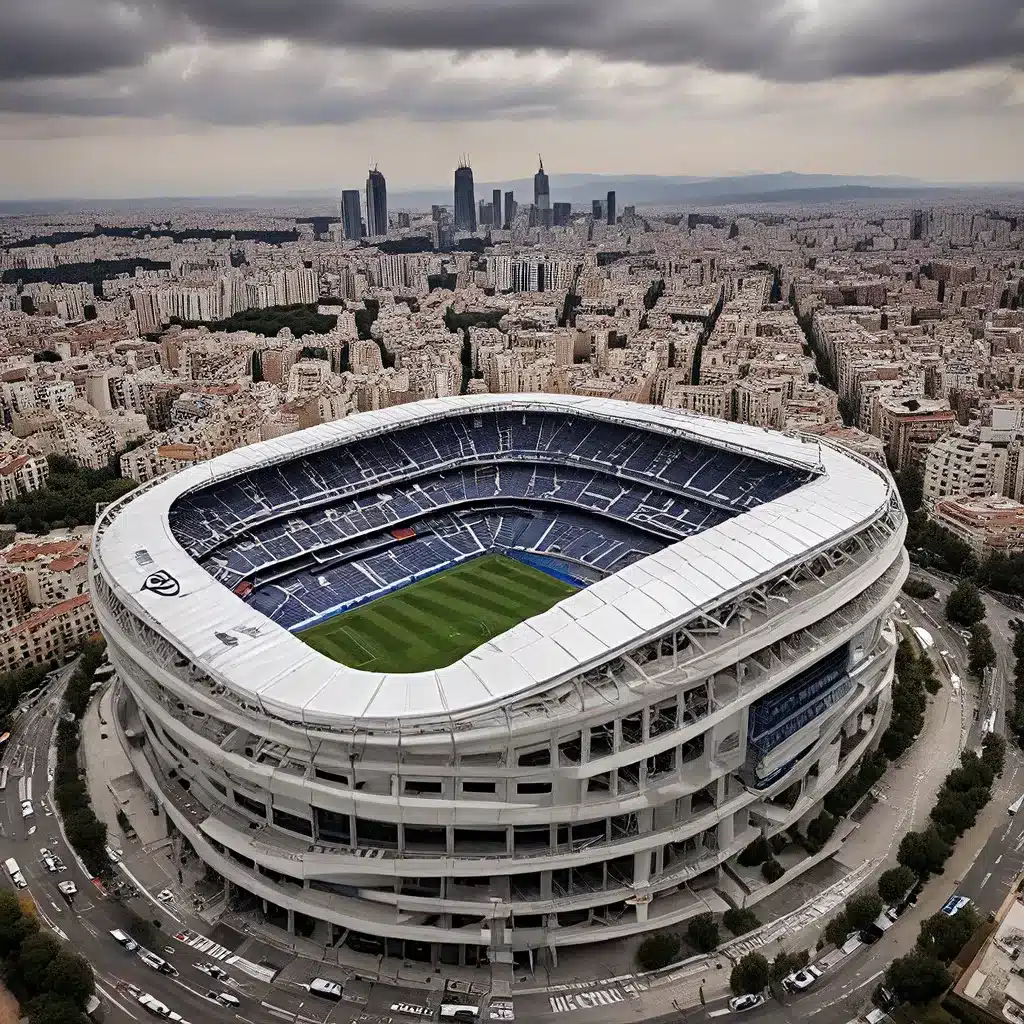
x=475, y=679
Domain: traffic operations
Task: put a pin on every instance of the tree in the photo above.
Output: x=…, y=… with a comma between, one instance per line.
x=910, y=484
x=943, y=936
x=786, y=963
x=755, y=852
x=837, y=930
x=15, y=926
x=36, y=955
x=981, y=653
x=658, y=950
x=751, y=974
x=772, y=870
x=964, y=604
x=895, y=883
x=257, y=368
x=862, y=910
x=820, y=829
x=918, y=588
x=702, y=933
x=52, y=1009
x=917, y=978
x=740, y=921
x=70, y=977
x=923, y=852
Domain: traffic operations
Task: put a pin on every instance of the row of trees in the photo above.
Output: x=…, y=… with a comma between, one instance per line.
x=922, y=975
x=52, y=983
x=754, y=972
x=1016, y=717
x=85, y=832
x=14, y=684
x=663, y=948
x=299, y=318
x=69, y=498
x=965, y=791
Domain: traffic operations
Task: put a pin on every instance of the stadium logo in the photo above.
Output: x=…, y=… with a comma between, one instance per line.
x=162, y=583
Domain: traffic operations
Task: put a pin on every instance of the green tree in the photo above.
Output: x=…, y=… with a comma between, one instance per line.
x=863, y=909
x=837, y=930
x=52, y=1009
x=786, y=963
x=755, y=852
x=943, y=936
x=820, y=829
x=964, y=604
x=917, y=978
x=923, y=852
x=257, y=368
x=702, y=933
x=772, y=870
x=751, y=974
x=15, y=926
x=895, y=883
x=740, y=921
x=36, y=955
x=910, y=484
x=658, y=950
x=918, y=588
x=70, y=977
x=981, y=653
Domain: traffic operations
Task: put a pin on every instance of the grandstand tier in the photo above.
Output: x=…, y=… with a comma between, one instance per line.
x=720, y=659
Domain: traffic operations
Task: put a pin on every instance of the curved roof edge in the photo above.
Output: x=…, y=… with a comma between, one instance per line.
x=263, y=663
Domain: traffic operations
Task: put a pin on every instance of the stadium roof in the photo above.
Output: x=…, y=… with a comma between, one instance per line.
x=264, y=664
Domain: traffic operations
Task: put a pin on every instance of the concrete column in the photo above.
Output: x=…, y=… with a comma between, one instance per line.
x=291, y=922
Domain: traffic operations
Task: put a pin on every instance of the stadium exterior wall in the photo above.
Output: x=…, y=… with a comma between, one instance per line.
x=612, y=804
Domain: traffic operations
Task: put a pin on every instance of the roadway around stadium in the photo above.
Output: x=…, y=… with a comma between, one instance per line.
x=435, y=622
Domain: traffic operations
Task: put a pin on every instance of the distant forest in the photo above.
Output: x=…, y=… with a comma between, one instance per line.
x=214, y=234
x=300, y=319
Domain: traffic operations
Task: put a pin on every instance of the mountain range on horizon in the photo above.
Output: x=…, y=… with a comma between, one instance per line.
x=645, y=190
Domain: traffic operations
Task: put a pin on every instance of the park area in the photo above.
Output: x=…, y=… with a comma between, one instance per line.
x=436, y=621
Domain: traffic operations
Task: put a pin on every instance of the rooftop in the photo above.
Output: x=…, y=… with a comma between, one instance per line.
x=266, y=665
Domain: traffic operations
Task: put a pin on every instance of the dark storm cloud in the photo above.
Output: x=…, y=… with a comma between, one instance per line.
x=786, y=40
x=41, y=38
x=101, y=57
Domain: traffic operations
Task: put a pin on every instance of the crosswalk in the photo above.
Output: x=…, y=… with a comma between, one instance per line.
x=201, y=944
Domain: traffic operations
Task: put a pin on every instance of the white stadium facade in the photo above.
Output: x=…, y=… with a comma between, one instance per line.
x=590, y=774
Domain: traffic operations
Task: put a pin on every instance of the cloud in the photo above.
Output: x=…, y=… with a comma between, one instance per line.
x=243, y=62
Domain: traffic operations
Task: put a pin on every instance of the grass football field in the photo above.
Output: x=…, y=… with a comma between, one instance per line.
x=435, y=622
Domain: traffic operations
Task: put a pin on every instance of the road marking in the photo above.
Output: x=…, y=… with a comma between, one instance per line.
x=719, y=1013
x=586, y=1000
x=999, y=858
x=109, y=995
x=984, y=880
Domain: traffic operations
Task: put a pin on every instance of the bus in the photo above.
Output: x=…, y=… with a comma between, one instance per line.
x=1016, y=805
x=15, y=872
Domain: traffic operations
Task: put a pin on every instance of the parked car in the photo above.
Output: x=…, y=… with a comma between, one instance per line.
x=112, y=856
x=748, y=1002
x=165, y=896
x=800, y=981
x=212, y=971
x=68, y=888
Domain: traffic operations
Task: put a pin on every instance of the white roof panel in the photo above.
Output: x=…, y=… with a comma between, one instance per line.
x=260, y=661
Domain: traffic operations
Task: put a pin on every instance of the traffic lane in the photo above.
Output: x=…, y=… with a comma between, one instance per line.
x=995, y=868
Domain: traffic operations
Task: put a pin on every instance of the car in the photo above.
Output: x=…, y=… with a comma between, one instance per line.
x=893, y=913
x=32, y=830
x=45, y=852
x=68, y=888
x=158, y=963
x=800, y=981
x=165, y=896
x=50, y=864
x=748, y=1002
x=224, y=998
x=212, y=971
x=153, y=1005
x=111, y=855
x=26, y=809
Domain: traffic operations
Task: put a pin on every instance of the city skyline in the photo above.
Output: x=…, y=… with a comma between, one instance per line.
x=183, y=98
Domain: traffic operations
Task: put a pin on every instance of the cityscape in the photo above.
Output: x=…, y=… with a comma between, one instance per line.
x=511, y=518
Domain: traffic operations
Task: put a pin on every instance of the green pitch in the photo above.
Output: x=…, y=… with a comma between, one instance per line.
x=435, y=622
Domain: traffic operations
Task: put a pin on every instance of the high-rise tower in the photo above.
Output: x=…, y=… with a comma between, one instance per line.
x=376, y=204
x=542, y=196
x=465, y=201
x=351, y=213
x=609, y=207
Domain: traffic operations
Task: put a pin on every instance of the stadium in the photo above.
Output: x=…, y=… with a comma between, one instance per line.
x=475, y=679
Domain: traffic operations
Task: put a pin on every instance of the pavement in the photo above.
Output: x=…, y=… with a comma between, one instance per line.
x=984, y=862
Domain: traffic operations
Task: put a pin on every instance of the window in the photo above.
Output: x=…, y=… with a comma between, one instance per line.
x=433, y=787
x=540, y=758
x=252, y=806
x=333, y=827
x=478, y=787
x=293, y=823
x=531, y=788
x=328, y=776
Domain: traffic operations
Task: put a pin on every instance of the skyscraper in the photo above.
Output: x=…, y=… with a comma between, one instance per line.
x=610, y=207
x=562, y=213
x=496, y=208
x=597, y=209
x=542, y=196
x=510, y=209
x=376, y=204
x=465, y=202
x=351, y=214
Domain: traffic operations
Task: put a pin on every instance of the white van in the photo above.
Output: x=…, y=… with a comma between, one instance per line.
x=459, y=1011
x=227, y=999
x=326, y=989
x=154, y=1005
x=125, y=939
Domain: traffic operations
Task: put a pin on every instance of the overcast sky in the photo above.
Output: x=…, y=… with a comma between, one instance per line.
x=221, y=97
